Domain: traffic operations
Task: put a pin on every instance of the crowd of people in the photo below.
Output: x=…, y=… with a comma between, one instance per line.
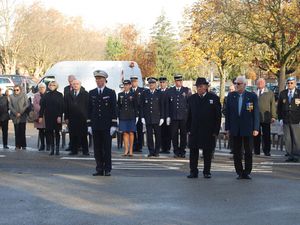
x=170, y=115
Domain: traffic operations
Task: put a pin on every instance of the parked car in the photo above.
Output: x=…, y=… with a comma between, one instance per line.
x=26, y=82
x=6, y=83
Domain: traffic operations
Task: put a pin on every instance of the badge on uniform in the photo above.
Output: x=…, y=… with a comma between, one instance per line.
x=146, y=101
x=121, y=96
x=297, y=101
x=171, y=99
x=211, y=101
x=106, y=97
x=130, y=98
x=183, y=94
x=284, y=101
x=249, y=106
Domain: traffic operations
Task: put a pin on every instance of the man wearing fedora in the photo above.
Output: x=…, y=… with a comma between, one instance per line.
x=178, y=108
x=203, y=126
x=103, y=119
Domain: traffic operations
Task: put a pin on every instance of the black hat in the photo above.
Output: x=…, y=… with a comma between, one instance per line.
x=126, y=82
x=151, y=80
x=134, y=77
x=201, y=80
x=178, y=77
x=162, y=79
x=100, y=73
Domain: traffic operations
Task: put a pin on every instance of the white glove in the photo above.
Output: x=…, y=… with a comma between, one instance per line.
x=117, y=121
x=90, y=131
x=168, y=121
x=161, y=121
x=112, y=130
x=136, y=120
x=143, y=121
x=281, y=122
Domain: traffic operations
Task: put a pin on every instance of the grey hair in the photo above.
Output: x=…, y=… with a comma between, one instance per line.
x=260, y=79
x=42, y=85
x=77, y=81
x=242, y=78
x=72, y=77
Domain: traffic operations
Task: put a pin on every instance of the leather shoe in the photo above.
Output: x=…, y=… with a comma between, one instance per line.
x=239, y=177
x=73, y=153
x=5, y=147
x=267, y=154
x=192, y=175
x=208, y=175
x=107, y=174
x=99, y=173
x=85, y=153
x=247, y=177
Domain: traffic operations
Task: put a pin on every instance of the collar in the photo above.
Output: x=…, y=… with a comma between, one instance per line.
x=203, y=94
x=293, y=91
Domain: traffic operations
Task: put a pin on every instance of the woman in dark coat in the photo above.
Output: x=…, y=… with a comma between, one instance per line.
x=4, y=118
x=52, y=108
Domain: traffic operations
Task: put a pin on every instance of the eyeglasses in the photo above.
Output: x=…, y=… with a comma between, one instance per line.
x=290, y=82
x=16, y=90
x=238, y=83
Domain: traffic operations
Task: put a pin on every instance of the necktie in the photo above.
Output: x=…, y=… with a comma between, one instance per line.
x=259, y=93
x=290, y=96
x=240, y=104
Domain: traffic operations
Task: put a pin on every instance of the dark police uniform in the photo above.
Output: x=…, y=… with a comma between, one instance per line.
x=178, y=108
x=138, y=137
x=152, y=110
x=102, y=116
x=204, y=121
x=289, y=112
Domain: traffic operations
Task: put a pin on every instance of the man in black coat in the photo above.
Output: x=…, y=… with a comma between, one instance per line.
x=76, y=113
x=139, y=136
x=102, y=115
x=4, y=118
x=203, y=125
x=152, y=113
x=69, y=89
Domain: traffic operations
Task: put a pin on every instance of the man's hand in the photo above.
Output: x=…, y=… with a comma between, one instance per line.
x=161, y=121
x=40, y=120
x=112, y=130
x=168, y=121
x=273, y=120
x=58, y=120
x=90, y=131
x=18, y=115
x=143, y=121
x=255, y=133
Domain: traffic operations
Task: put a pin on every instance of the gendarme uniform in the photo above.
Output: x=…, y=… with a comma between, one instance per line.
x=288, y=110
x=103, y=119
x=178, y=110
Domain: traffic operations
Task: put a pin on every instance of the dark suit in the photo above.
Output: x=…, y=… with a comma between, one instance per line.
x=241, y=127
x=267, y=111
x=165, y=129
x=139, y=136
x=152, y=109
x=102, y=116
x=76, y=111
x=178, y=108
x=204, y=121
x=4, y=118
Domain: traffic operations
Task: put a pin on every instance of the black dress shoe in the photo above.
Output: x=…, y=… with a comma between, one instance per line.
x=207, y=175
x=99, y=173
x=150, y=155
x=239, y=177
x=290, y=159
x=42, y=148
x=85, y=153
x=5, y=147
x=73, y=153
x=68, y=149
x=267, y=154
x=192, y=175
x=247, y=177
x=107, y=174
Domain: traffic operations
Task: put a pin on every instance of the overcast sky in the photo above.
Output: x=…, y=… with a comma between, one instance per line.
x=109, y=13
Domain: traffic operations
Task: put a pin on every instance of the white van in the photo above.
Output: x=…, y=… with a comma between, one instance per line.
x=83, y=70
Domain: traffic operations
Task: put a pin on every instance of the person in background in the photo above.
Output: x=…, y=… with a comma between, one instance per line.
x=267, y=115
x=242, y=123
x=36, y=108
x=52, y=108
x=127, y=113
x=288, y=110
x=203, y=125
x=139, y=135
x=165, y=129
x=18, y=104
x=4, y=118
x=76, y=114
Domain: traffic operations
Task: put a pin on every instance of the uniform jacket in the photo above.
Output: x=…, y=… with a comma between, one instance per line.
x=18, y=104
x=52, y=107
x=164, y=95
x=127, y=106
x=178, y=105
x=138, y=93
x=76, y=111
x=102, y=111
x=36, y=108
x=248, y=121
x=152, y=106
x=4, y=108
x=289, y=112
x=204, y=120
x=267, y=107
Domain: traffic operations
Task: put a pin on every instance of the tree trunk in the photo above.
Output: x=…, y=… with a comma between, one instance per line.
x=222, y=73
x=281, y=78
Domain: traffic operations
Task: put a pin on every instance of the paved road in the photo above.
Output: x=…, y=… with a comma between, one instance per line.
x=38, y=189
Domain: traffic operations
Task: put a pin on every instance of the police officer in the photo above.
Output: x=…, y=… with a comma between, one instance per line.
x=178, y=107
x=152, y=113
x=203, y=124
x=138, y=137
x=165, y=129
x=288, y=109
x=103, y=120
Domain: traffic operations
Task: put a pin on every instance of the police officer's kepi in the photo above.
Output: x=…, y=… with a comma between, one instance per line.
x=178, y=77
x=151, y=80
x=291, y=79
x=126, y=82
x=201, y=80
x=100, y=73
x=162, y=79
x=134, y=77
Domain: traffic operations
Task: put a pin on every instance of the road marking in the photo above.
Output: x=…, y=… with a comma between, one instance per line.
x=2, y=156
x=280, y=163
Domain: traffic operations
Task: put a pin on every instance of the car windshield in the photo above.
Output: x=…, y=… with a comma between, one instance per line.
x=4, y=80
